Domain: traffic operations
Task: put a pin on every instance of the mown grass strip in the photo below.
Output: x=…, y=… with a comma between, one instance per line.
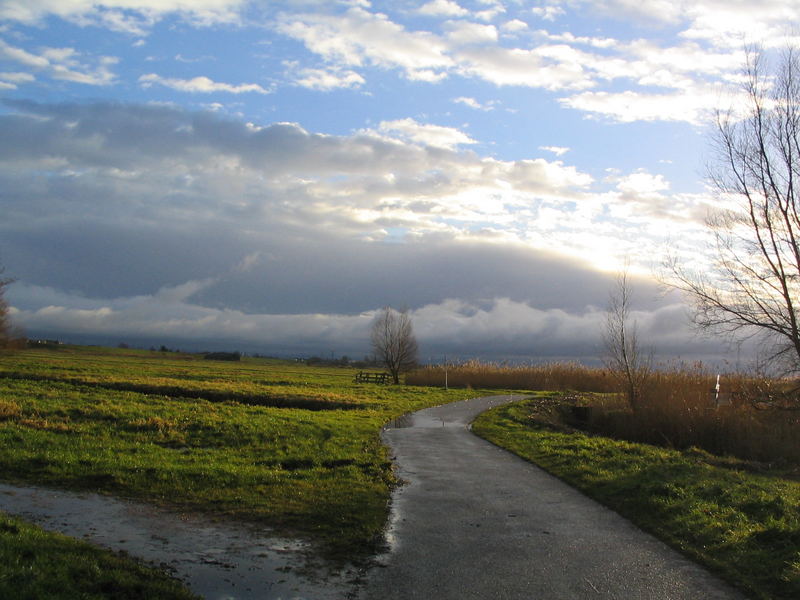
x=742, y=525
x=38, y=564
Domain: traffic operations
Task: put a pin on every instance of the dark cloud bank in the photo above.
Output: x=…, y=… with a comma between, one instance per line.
x=152, y=225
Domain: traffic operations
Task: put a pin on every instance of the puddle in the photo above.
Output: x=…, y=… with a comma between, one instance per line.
x=219, y=561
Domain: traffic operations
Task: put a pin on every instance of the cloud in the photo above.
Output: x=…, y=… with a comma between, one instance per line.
x=352, y=38
x=360, y=182
x=494, y=8
x=128, y=16
x=359, y=37
x=158, y=223
x=642, y=183
x=17, y=77
x=181, y=58
x=557, y=150
x=66, y=64
x=514, y=26
x=22, y=56
x=616, y=71
x=462, y=33
x=118, y=201
x=248, y=262
x=10, y=80
x=663, y=11
x=692, y=106
x=551, y=68
x=722, y=23
x=569, y=38
x=442, y=8
x=328, y=79
x=548, y=13
x=473, y=103
x=493, y=328
x=201, y=84
x=430, y=135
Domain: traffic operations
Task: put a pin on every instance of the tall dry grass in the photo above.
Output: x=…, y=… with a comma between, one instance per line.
x=679, y=409
x=750, y=419
x=550, y=376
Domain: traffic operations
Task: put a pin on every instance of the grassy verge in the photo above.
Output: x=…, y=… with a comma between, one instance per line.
x=743, y=525
x=177, y=430
x=38, y=564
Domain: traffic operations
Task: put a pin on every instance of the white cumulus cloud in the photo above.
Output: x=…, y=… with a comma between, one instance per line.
x=431, y=135
x=131, y=16
x=65, y=63
x=328, y=79
x=202, y=84
x=442, y=8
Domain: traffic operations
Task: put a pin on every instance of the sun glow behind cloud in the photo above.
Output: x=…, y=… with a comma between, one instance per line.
x=563, y=131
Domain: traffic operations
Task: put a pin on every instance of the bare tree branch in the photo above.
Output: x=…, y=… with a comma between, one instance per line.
x=393, y=341
x=9, y=336
x=624, y=357
x=754, y=283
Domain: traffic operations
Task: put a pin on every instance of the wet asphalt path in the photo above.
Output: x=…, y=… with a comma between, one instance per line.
x=475, y=521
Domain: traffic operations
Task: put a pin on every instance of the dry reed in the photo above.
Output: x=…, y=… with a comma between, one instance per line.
x=681, y=408
x=549, y=376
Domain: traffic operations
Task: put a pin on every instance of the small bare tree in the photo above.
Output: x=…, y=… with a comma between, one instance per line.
x=753, y=285
x=8, y=335
x=625, y=359
x=393, y=341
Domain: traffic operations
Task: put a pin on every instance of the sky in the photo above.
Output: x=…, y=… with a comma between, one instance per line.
x=266, y=176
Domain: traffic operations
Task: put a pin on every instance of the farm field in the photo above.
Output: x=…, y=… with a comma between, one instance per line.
x=268, y=441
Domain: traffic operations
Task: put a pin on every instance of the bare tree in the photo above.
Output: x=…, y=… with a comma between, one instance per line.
x=8, y=335
x=625, y=359
x=393, y=341
x=752, y=287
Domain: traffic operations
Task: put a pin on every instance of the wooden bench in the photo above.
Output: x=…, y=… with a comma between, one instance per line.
x=363, y=377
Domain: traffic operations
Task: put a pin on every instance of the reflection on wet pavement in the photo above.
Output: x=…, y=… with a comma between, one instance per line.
x=218, y=560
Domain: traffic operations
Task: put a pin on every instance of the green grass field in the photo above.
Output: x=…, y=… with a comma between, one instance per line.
x=744, y=525
x=290, y=446
x=297, y=448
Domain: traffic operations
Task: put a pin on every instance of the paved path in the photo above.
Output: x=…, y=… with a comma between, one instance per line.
x=475, y=521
